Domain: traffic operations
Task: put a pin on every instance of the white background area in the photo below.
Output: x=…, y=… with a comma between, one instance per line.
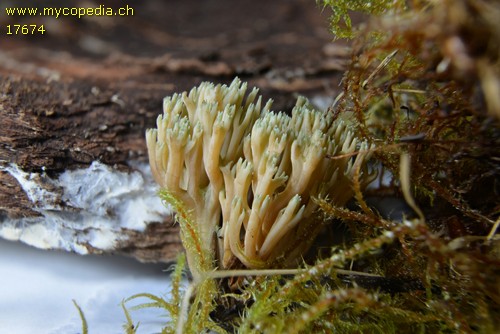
x=37, y=288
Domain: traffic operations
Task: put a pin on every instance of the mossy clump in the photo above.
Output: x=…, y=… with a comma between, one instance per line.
x=424, y=86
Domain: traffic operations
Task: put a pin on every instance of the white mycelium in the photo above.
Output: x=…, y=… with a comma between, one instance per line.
x=84, y=207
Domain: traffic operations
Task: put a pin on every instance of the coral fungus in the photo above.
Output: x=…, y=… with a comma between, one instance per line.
x=248, y=175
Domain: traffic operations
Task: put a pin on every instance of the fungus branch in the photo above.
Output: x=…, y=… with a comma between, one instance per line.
x=249, y=175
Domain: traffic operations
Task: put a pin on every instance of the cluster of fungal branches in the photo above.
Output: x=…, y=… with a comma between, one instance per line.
x=247, y=176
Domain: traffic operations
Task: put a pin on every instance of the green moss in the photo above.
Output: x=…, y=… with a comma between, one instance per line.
x=85, y=327
x=342, y=26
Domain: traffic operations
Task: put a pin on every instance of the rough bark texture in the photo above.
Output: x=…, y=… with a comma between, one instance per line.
x=88, y=88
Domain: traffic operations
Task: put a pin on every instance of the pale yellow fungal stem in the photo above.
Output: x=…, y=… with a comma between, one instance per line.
x=404, y=176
